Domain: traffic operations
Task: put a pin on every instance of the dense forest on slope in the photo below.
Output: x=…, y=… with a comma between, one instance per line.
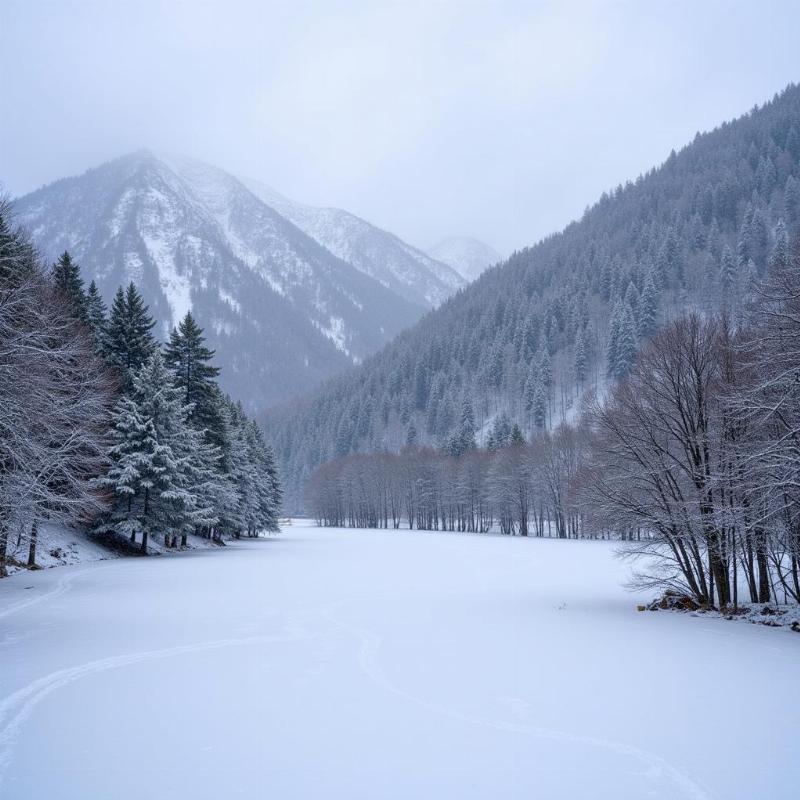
x=104, y=430
x=568, y=314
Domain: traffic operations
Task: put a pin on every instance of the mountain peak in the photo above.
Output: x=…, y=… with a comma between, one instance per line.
x=466, y=255
x=285, y=311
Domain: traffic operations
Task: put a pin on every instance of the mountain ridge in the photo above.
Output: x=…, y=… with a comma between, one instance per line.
x=529, y=338
x=281, y=308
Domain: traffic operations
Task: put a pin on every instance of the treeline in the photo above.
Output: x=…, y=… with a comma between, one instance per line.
x=693, y=459
x=103, y=427
x=563, y=317
x=516, y=487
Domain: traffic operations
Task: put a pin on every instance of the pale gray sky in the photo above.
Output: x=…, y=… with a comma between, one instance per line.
x=501, y=120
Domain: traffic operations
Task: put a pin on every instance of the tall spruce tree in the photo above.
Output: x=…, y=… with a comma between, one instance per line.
x=648, y=308
x=129, y=340
x=626, y=344
x=96, y=316
x=190, y=361
x=69, y=284
x=580, y=358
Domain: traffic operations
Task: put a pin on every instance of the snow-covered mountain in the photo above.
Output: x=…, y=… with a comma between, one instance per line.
x=468, y=257
x=282, y=311
x=404, y=269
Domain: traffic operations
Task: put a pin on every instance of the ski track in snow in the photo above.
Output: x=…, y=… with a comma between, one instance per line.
x=323, y=622
x=369, y=647
x=19, y=705
x=60, y=588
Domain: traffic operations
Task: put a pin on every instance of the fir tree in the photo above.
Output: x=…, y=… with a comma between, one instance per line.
x=184, y=493
x=779, y=257
x=96, y=316
x=648, y=309
x=540, y=407
x=466, y=431
x=129, y=341
x=626, y=344
x=189, y=359
x=727, y=272
x=516, y=438
x=580, y=358
x=137, y=467
x=69, y=284
x=613, y=336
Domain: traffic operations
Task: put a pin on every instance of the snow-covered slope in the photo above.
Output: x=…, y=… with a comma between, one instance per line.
x=400, y=267
x=469, y=257
x=281, y=310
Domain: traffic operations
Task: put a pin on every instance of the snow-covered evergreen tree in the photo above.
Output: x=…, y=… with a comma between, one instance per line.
x=626, y=344
x=648, y=308
x=129, y=340
x=69, y=284
x=96, y=317
x=190, y=361
x=581, y=362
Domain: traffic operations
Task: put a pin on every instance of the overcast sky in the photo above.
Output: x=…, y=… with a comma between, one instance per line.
x=500, y=120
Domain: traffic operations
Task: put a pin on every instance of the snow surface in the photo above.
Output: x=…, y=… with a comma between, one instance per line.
x=383, y=664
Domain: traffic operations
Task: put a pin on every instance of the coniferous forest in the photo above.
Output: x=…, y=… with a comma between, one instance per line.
x=532, y=336
x=106, y=430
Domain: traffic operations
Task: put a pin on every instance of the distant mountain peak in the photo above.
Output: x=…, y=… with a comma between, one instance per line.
x=466, y=255
x=282, y=310
x=398, y=266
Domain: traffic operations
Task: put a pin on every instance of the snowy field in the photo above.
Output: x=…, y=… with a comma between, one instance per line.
x=371, y=664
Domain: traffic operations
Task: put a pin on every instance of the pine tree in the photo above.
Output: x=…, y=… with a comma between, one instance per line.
x=545, y=367
x=500, y=432
x=96, y=316
x=626, y=344
x=129, y=341
x=137, y=467
x=540, y=406
x=466, y=430
x=727, y=272
x=613, y=336
x=779, y=257
x=69, y=284
x=648, y=309
x=632, y=299
x=580, y=358
x=184, y=492
x=516, y=438
x=189, y=360
x=267, y=484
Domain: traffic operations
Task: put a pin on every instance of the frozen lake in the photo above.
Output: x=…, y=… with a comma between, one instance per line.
x=382, y=664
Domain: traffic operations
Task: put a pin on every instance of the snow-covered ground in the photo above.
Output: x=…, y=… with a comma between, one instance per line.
x=59, y=546
x=381, y=664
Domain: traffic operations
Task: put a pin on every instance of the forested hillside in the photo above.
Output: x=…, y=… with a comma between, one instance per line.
x=529, y=337
x=104, y=430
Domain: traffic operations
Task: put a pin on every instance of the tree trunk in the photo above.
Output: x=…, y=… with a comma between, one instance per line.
x=763, y=567
x=144, y=542
x=3, y=548
x=32, y=545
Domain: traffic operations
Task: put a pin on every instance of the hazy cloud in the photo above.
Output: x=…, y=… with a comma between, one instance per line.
x=501, y=120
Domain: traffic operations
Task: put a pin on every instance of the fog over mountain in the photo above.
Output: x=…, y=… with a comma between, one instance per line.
x=528, y=339
x=285, y=304
x=465, y=255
